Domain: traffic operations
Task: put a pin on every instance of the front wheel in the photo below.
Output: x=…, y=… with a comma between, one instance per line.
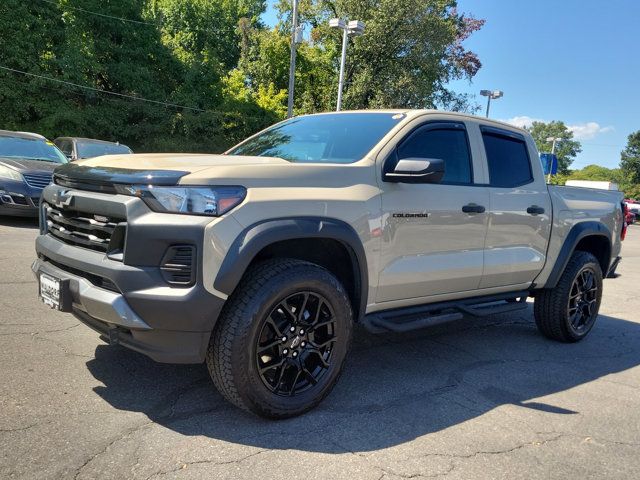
x=281, y=341
x=568, y=311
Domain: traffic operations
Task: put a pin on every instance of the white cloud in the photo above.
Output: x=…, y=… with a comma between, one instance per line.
x=522, y=121
x=581, y=131
x=587, y=131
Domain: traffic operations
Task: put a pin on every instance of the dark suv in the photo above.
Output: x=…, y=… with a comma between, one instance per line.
x=27, y=161
x=76, y=148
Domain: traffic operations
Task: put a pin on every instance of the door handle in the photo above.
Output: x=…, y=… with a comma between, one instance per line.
x=535, y=210
x=473, y=208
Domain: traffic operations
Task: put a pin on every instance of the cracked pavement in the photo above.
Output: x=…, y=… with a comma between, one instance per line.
x=482, y=399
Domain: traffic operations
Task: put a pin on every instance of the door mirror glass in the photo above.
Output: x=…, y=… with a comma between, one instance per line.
x=417, y=170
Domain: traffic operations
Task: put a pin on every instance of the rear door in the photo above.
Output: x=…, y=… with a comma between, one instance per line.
x=520, y=209
x=433, y=233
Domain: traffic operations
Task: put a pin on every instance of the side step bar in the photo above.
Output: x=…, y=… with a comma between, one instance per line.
x=421, y=316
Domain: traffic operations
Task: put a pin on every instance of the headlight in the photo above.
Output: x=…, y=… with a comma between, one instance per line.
x=10, y=173
x=213, y=201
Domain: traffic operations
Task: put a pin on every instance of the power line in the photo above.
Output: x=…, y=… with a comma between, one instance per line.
x=98, y=90
x=130, y=20
x=127, y=98
x=112, y=17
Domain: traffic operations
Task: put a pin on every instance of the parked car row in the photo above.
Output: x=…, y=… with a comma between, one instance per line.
x=27, y=161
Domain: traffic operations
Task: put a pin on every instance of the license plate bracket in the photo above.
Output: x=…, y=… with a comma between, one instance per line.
x=55, y=292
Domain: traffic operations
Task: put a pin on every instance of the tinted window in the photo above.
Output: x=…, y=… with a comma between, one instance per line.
x=31, y=149
x=93, y=149
x=65, y=146
x=328, y=138
x=446, y=144
x=508, y=159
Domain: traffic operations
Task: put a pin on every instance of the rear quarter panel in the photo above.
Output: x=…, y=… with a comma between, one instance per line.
x=572, y=205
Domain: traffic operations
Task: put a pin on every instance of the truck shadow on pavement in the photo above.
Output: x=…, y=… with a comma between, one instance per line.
x=395, y=387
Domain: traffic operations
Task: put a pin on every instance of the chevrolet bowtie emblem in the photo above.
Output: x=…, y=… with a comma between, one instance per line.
x=63, y=198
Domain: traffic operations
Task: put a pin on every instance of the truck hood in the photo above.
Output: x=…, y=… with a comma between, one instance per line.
x=197, y=169
x=184, y=162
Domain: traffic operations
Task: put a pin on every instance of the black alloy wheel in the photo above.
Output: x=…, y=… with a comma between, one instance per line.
x=294, y=348
x=583, y=300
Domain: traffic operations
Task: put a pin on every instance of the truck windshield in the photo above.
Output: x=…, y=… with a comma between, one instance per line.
x=326, y=138
x=30, y=149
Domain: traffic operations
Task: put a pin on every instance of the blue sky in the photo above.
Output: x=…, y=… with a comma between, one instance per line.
x=572, y=60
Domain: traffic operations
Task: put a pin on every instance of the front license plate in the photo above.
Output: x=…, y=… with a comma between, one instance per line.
x=50, y=290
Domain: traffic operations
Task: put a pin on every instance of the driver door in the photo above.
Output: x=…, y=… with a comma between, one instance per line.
x=434, y=233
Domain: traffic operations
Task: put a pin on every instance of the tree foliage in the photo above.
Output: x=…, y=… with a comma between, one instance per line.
x=566, y=149
x=630, y=158
x=409, y=52
x=215, y=59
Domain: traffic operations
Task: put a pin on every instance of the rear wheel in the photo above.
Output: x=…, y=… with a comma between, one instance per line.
x=568, y=312
x=281, y=341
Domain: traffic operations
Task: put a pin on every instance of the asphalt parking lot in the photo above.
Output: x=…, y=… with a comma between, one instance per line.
x=472, y=399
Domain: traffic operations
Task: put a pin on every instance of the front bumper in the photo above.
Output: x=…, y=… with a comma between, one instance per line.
x=129, y=300
x=18, y=199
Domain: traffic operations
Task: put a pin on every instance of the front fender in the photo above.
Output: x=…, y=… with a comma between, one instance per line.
x=262, y=234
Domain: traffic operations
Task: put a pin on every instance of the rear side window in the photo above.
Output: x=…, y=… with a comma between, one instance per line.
x=508, y=159
x=448, y=144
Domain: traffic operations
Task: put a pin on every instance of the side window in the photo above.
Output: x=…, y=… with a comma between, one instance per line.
x=509, y=164
x=448, y=144
x=65, y=147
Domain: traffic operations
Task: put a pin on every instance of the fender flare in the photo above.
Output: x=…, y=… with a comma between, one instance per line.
x=262, y=234
x=578, y=232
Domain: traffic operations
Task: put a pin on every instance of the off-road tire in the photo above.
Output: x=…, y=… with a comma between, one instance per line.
x=232, y=357
x=551, y=307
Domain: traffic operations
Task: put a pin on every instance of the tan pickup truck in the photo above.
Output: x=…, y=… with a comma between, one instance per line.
x=260, y=261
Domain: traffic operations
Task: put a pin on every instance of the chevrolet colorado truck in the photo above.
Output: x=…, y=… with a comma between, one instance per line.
x=260, y=261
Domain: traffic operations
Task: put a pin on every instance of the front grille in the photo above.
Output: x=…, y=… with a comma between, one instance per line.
x=37, y=180
x=88, y=230
x=84, y=185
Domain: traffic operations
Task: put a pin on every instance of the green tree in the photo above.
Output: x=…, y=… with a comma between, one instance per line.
x=408, y=54
x=597, y=173
x=566, y=149
x=630, y=158
x=163, y=50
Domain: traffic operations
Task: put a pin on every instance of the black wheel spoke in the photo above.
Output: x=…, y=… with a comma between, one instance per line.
x=309, y=376
x=273, y=325
x=316, y=351
x=323, y=343
x=303, y=308
x=269, y=346
x=271, y=366
x=295, y=381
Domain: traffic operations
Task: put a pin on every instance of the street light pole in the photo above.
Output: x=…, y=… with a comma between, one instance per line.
x=491, y=95
x=292, y=61
x=343, y=59
x=354, y=27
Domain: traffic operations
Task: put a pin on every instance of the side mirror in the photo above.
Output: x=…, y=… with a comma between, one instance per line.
x=417, y=170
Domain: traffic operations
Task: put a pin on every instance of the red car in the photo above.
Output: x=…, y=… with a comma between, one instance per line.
x=630, y=212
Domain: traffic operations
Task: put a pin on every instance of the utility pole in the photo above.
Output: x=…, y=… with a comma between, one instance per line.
x=292, y=62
